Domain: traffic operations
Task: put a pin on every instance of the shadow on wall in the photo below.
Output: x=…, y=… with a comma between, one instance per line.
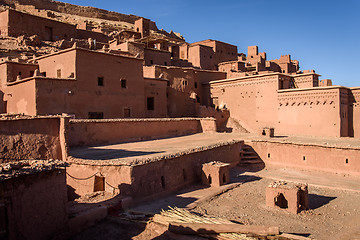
x=317, y=201
x=107, y=154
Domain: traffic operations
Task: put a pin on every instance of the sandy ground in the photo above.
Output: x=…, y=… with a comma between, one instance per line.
x=334, y=211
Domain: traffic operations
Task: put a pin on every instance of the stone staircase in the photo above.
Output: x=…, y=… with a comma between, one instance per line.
x=249, y=156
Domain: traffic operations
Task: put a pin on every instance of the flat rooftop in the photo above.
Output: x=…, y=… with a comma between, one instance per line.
x=138, y=153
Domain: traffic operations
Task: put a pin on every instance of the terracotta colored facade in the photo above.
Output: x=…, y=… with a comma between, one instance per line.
x=148, y=72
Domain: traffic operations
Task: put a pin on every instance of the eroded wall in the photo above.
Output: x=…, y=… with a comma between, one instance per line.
x=32, y=138
x=36, y=205
x=95, y=132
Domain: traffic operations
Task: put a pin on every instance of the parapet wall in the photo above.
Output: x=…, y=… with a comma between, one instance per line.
x=95, y=132
x=24, y=138
x=309, y=156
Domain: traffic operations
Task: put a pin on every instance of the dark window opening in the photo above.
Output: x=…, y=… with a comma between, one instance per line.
x=127, y=113
x=163, y=182
x=347, y=161
x=58, y=73
x=150, y=103
x=165, y=63
x=123, y=83
x=209, y=178
x=96, y=115
x=99, y=183
x=304, y=158
x=269, y=155
x=198, y=99
x=48, y=34
x=19, y=74
x=43, y=74
x=195, y=84
x=137, y=29
x=100, y=81
x=151, y=62
x=263, y=133
x=281, y=201
x=224, y=178
x=184, y=175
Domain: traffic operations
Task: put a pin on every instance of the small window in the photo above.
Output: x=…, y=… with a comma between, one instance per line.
x=19, y=74
x=269, y=155
x=100, y=81
x=304, y=158
x=99, y=183
x=123, y=83
x=346, y=160
x=195, y=84
x=150, y=104
x=43, y=74
x=127, y=113
x=137, y=29
x=58, y=73
x=165, y=63
x=96, y=115
x=151, y=62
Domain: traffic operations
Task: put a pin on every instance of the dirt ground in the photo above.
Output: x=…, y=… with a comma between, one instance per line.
x=334, y=212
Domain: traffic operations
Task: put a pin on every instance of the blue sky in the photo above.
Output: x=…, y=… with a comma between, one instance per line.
x=322, y=35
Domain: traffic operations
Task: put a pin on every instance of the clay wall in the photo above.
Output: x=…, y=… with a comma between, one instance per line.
x=23, y=70
x=166, y=176
x=46, y=29
x=20, y=97
x=112, y=98
x=185, y=87
x=157, y=57
x=36, y=205
x=313, y=112
x=85, y=34
x=223, y=52
x=202, y=56
x=58, y=65
x=136, y=49
x=117, y=178
x=97, y=88
x=154, y=179
x=232, y=66
x=95, y=132
x=30, y=138
x=325, y=82
x=331, y=159
x=306, y=80
x=354, y=112
x=4, y=24
x=56, y=96
x=155, y=97
x=250, y=100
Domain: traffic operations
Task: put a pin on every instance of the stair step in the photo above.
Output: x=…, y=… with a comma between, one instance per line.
x=250, y=161
x=250, y=157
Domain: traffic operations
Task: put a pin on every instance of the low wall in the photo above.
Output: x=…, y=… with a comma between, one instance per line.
x=317, y=157
x=152, y=178
x=35, y=206
x=84, y=132
x=23, y=138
